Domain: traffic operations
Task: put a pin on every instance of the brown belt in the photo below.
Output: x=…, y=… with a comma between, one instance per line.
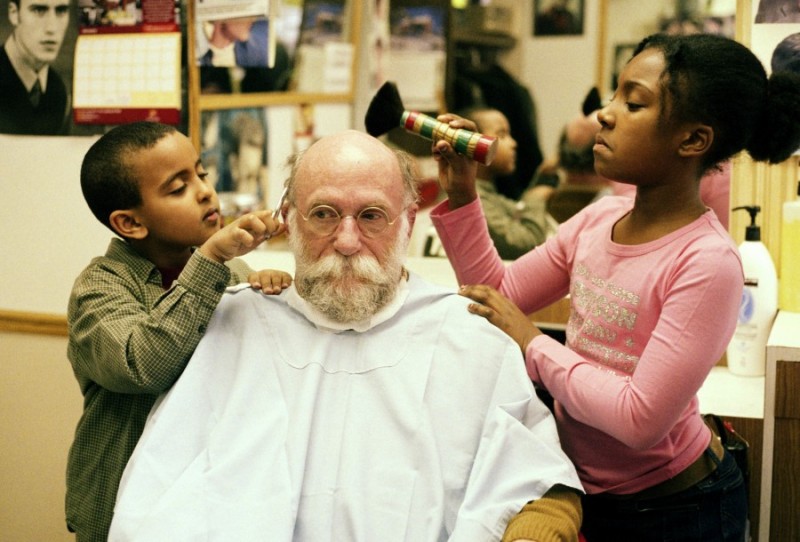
x=702, y=467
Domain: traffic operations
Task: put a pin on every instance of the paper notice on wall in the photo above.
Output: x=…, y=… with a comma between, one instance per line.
x=215, y=10
x=419, y=77
x=324, y=68
x=416, y=56
x=338, y=64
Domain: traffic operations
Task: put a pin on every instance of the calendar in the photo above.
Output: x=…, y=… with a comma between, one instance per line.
x=121, y=77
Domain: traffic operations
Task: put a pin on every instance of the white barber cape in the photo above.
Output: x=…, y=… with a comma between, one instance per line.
x=422, y=428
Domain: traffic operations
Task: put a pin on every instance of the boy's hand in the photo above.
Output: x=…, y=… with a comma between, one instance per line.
x=456, y=171
x=270, y=281
x=241, y=236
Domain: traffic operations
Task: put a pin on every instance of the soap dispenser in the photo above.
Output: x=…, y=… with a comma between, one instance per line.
x=747, y=350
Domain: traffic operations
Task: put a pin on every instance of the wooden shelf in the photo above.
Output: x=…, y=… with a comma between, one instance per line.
x=208, y=102
x=463, y=37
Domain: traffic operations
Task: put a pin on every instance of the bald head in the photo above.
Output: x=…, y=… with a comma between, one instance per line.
x=577, y=139
x=581, y=130
x=351, y=140
x=356, y=156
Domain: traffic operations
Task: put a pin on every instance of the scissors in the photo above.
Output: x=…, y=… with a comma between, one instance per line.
x=277, y=212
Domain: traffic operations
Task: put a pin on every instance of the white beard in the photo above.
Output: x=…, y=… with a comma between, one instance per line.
x=347, y=289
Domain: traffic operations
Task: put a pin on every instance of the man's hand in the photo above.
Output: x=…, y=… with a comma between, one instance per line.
x=241, y=236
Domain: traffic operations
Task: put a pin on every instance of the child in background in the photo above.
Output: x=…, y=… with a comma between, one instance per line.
x=515, y=226
x=655, y=284
x=568, y=182
x=136, y=314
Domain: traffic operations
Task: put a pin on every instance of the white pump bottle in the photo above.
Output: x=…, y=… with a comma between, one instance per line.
x=747, y=350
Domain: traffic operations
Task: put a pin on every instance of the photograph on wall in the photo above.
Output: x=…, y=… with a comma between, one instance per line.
x=417, y=25
x=623, y=52
x=129, y=15
x=558, y=17
x=242, y=42
x=322, y=22
x=206, y=10
x=417, y=52
x=59, y=75
x=37, y=44
x=777, y=12
x=234, y=153
x=324, y=58
x=250, y=52
x=777, y=46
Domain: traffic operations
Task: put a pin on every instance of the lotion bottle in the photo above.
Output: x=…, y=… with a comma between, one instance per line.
x=790, y=263
x=747, y=350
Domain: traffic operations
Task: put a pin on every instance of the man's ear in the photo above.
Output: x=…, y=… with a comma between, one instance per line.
x=412, y=217
x=13, y=14
x=285, y=216
x=698, y=141
x=127, y=225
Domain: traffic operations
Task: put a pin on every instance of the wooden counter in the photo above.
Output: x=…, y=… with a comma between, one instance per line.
x=780, y=474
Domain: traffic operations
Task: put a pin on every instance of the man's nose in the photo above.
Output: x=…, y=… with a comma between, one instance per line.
x=347, y=237
x=51, y=21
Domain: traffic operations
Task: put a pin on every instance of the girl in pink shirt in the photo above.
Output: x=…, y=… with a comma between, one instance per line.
x=654, y=284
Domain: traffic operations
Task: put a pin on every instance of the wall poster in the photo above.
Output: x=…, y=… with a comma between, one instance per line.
x=128, y=62
x=775, y=37
x=37, y=40
x=558, y=17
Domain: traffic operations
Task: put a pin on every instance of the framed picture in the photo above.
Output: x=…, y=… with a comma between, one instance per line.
x=558, y=17
x=777, y=12
x=622, y=54
x=48, y=38
x=234, y=152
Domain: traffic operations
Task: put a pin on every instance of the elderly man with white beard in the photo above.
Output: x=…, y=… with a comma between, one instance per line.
x=363, y=403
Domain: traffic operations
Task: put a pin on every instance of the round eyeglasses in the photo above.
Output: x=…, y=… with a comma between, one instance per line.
x=324, y=220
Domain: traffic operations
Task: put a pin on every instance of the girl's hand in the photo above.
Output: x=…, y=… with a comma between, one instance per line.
x=270, y=281
x=456, y=171
x=241, y=236
x=501, y=312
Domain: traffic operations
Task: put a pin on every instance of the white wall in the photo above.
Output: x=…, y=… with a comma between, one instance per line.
x=40, y=405
x=558, y=71
x=48, y=233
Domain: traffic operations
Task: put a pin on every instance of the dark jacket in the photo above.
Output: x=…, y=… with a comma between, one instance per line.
x=19, y=116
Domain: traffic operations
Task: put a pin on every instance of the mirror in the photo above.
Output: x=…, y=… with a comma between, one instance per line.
x=626, y=22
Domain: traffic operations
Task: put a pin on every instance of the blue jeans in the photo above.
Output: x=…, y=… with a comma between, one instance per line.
x=714, y=509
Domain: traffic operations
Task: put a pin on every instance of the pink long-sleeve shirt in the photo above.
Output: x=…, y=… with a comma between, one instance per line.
x=647, y=323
